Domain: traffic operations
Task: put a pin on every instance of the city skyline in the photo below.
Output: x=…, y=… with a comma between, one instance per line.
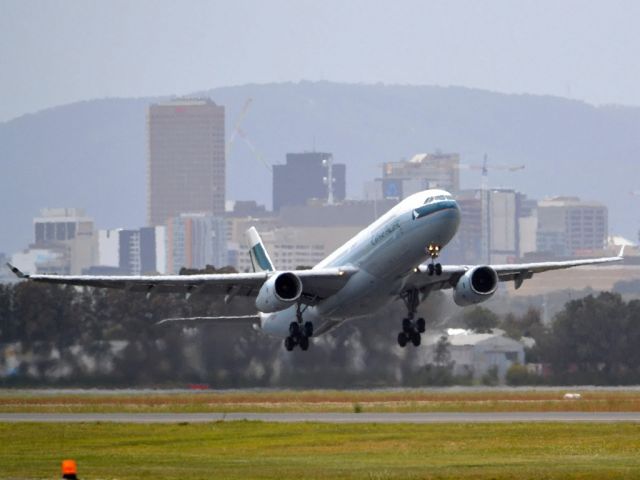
x=396, y=135
x=302, y=233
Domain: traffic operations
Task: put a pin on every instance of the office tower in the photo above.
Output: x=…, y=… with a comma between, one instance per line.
x=306, y=176
x=423, y=171
x=186, y=167
x=195, y=240
x=568, y=226
x=131, y=252
x=72, y=231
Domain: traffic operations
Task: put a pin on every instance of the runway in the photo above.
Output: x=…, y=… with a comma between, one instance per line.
x=410, y=418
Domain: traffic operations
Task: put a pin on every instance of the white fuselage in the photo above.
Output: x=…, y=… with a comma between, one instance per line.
x=385, y=254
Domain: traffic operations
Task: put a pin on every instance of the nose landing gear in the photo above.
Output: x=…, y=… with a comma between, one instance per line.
x=434, y=268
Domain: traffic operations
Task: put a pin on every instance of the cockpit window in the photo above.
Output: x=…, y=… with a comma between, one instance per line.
x=429, y=200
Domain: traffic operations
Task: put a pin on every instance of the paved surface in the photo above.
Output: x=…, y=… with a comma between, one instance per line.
x=324, y=417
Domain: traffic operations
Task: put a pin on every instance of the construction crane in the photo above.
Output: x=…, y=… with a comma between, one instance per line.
x=485, y=166
x=239, y=132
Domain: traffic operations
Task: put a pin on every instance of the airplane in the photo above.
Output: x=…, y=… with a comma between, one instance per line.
x=393, y=258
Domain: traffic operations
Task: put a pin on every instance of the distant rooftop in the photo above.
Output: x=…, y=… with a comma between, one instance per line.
x=53, y=214
x=421, y=157
x=186, y=102
x=562, y=201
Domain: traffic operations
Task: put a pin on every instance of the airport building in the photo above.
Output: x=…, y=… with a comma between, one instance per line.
x=186, y=162
x=568, y=226
x=307, y=176
x=421, y=172
x=478, y=353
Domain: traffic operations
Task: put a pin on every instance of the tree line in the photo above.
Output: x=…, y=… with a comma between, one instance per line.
x=64, y=335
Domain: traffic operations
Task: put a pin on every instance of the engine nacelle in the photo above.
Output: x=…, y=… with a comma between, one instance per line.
x=279, y=292
x=475, y=286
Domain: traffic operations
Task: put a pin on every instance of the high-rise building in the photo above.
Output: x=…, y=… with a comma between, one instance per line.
x=466, y=246
x=503, y=226
x=568, y=226
x=423, y=171
x=195, y=240
x=131, y=252
x=186, y=168
x=70, y=232
x=306, y=176
x=143, y=250
x=497, y=240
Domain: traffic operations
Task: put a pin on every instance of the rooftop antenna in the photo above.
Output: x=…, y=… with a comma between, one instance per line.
x=329, y=180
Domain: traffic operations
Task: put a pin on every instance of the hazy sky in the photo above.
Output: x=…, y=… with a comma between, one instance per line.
x=54, y=52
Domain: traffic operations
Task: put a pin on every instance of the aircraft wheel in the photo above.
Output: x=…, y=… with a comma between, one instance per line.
x=294, y=329
x=438, y=269
x=406, y=325
x=289, y=343
x=416, y=339
x=308, y=329
x=304, y=343
x=430, y=269
x=402, y=339
x=421, y=325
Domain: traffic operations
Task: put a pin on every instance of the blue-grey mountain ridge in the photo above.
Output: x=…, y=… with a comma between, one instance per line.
x=93, y=154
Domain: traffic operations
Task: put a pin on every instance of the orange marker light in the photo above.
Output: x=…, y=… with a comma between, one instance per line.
x=69, y=467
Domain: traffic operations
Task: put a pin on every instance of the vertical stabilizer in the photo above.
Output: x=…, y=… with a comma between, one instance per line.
x=259, y=256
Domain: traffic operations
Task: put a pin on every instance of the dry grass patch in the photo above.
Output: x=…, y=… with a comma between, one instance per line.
x=323, y=401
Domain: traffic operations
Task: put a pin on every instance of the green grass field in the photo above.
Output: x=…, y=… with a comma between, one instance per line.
x=322, y=401
x=283, y=451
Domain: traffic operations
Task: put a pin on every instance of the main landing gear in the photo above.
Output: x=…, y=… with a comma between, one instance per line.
x=434, y=268
x=411, y=330
x=299, y=332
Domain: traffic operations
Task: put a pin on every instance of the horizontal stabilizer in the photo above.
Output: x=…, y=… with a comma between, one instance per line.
x=194, y=321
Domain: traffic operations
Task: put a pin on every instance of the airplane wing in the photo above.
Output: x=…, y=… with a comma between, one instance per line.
x=317, y=284
x=518, y=272
x=197, y=321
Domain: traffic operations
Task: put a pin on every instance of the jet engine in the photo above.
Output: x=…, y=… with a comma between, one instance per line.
x=279, y=292
x=475, y=286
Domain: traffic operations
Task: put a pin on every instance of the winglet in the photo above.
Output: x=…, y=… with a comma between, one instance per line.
x=621, y=254
x=17, y=271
